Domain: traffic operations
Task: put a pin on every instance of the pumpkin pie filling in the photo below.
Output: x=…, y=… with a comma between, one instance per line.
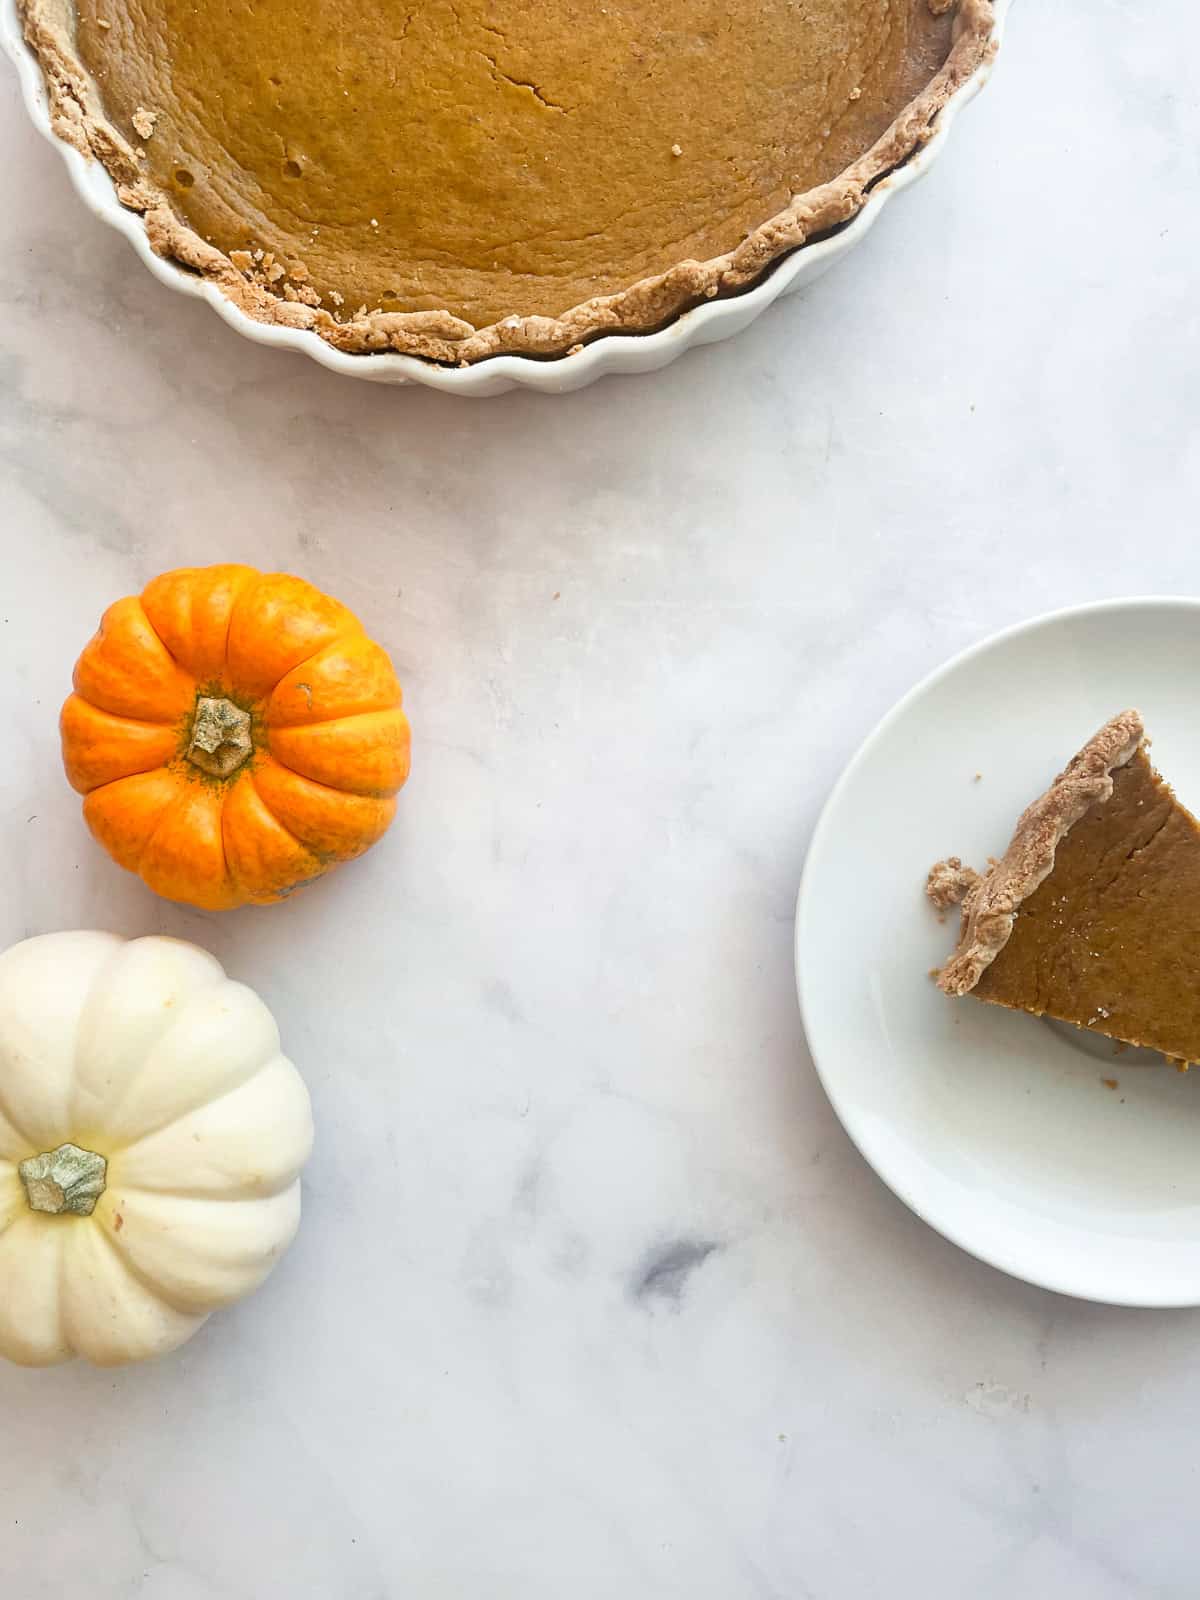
x=1092, y=916
x=455, y=177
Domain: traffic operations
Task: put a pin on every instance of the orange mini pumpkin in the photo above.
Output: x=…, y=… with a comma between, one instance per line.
x=235, y=735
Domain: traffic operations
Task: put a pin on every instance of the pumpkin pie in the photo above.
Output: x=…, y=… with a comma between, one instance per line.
x=1092, y=915
x=457, y=178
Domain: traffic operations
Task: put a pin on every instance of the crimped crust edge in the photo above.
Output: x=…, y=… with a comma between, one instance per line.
x=77, y=117
x=990, y=903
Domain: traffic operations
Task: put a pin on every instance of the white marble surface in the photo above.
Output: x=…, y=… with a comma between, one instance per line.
x=593, y=1298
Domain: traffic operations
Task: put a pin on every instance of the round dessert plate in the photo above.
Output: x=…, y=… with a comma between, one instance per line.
x=614, y=353
x=1038, y=1148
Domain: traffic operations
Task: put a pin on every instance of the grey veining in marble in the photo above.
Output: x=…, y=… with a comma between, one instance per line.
x=593, y=1298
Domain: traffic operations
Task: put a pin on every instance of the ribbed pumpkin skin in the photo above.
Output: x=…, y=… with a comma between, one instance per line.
x=330, y=738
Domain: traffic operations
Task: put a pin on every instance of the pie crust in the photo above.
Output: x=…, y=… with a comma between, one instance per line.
x=270, y=293
x=990, y=903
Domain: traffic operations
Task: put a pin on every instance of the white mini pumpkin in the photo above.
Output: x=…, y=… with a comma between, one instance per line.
x=184, y=1129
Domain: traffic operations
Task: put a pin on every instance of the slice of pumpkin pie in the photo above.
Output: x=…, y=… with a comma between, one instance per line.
x=1092, y=915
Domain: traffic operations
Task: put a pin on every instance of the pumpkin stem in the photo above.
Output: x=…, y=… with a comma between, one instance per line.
x=66, y=1179
x=220, y=739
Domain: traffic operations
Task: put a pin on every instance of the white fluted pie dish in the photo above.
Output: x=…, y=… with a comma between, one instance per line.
x=617, y=352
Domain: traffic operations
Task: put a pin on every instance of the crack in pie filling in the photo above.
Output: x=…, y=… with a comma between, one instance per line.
x=457, y=178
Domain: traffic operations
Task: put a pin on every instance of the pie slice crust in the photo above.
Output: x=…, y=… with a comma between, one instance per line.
x=1092, y=915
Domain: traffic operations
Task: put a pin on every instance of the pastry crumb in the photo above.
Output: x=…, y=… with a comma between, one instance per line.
x=949, y=883
x=1110, y=1083
x=978, y=777
x=676, y=149
x=261, y=267
x=143, y=122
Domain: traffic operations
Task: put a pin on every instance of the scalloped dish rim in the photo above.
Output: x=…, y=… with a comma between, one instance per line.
x=707, y=323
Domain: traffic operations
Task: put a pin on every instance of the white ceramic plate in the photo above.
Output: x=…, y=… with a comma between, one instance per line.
x=619, y=353
x=997, y=1128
